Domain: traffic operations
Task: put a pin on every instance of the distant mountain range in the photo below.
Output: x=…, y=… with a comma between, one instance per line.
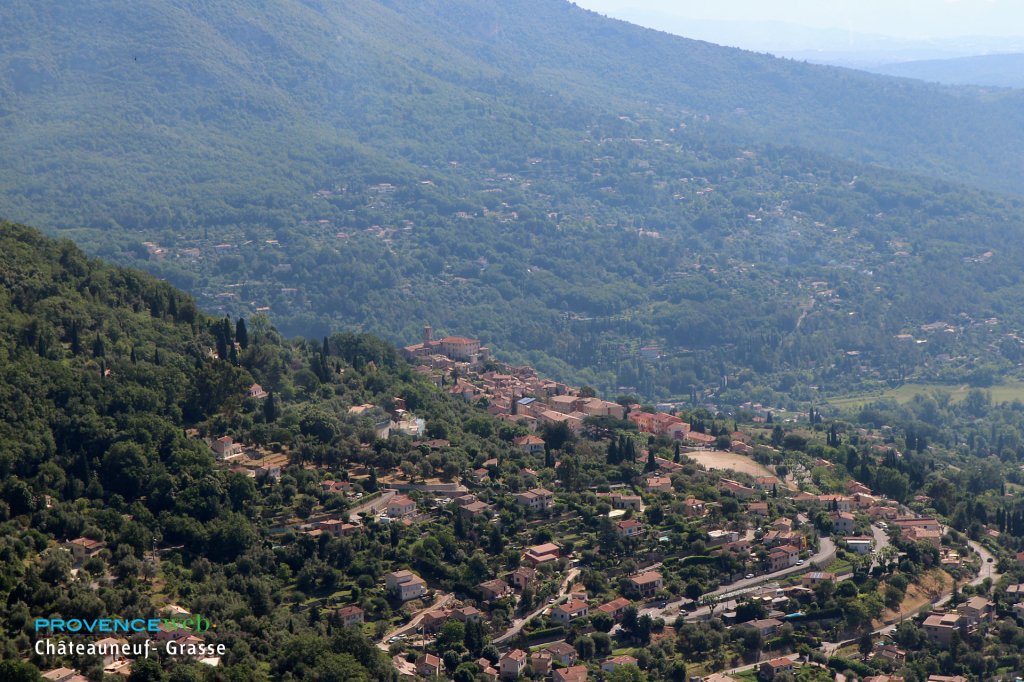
x=1000, y=70
x=615, y=205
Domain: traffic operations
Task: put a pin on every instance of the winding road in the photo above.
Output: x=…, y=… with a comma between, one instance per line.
x=518, y=623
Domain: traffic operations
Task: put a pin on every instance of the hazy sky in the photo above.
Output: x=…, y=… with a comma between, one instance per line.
x=897, y=18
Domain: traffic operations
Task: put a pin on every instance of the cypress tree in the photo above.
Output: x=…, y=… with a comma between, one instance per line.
x=270, y=408
x=76, y=342
x=242, y=333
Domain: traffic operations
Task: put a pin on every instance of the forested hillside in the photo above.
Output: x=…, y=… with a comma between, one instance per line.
x=109, y=380
x=569, y=188
x=999, y=70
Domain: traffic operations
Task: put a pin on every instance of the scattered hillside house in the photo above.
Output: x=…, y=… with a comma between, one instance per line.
x=479, y=476
x=648, y=583
x=741, y=547
x=783, y=557
x=658, y=484
x=698, y=438
x=926, y=522
x=782, y=523
x=338, y=528
x=766, y=626
x=776, y=666
x=615, y=608
x=350, y=615
x=757, y=508
x=433, y=621
x=487, y=671
x=1015, y=593
x=540, y=554
x=540, y=663
x=629, y=528
x=694, y=507
x=610, y=664
x=815, y=578
x=719, y=536
x=175, y=611
x=855, y=487
x=84, y=548
x=401, y=506
x=429, y=665
x=522, y=577
x=947, y=678
x=109, y=645
x=225, y=447
x=977, y=610
x=512, y=664
x=406, y=584
x=536, y=499
x=467, y=614
x=840, y=503
x=474, y=509
x=64, y=675
x=889, y=652
x=577, y=673
x=858, y=545
x=360, y=410
x=634, y=502
x=493, y=590
x=843, y=522
x=335, y=487
x=562, y=653
x=566, y=613
x=256, y=392
x=917, y=534
x=939, y=627
x=766, y=483
x=530, y=444
x=740, y=447
x=736, y=488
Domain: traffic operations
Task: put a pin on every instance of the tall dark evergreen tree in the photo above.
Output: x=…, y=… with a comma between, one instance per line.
x=242, y=333
x=76, y=341
x=652, y=464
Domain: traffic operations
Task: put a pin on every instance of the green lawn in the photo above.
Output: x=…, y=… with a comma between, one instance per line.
x=1005, y=392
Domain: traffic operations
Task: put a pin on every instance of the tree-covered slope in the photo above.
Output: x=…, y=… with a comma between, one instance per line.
x=109, y=380
x=570, y=188
x=998, y=70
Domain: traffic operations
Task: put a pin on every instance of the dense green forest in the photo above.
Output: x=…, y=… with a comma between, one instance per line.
x=618, y=207
x=102, y=370
x=1000, y=70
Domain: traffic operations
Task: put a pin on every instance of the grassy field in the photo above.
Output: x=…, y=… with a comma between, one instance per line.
x=1006, y=392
